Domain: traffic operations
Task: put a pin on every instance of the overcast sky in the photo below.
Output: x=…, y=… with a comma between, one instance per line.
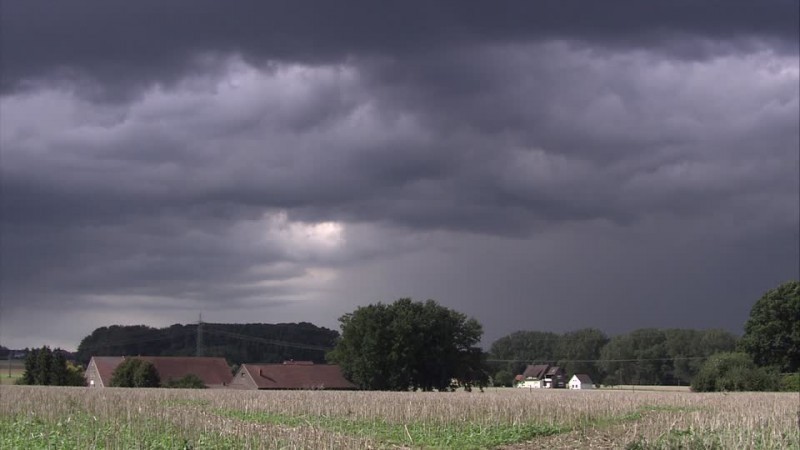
x=538, y=166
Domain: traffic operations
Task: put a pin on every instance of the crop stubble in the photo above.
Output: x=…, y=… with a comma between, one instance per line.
x=42, y=417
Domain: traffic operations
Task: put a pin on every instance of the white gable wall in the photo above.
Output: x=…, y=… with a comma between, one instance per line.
x=575, y=383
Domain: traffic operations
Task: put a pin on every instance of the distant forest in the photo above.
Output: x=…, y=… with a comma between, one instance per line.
x=237, y=343
x=643, y=356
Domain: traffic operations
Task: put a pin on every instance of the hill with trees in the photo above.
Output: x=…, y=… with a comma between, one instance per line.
x=237, y=343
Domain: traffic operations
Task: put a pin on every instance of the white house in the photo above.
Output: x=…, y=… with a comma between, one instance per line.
x=542, y=376
x=581, y=381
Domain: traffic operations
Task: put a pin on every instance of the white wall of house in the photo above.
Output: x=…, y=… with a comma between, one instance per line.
x=92, y=375
x=575, y=383
x=534, y=384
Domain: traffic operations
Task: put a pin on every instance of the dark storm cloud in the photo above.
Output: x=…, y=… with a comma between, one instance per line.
x=138, y=43
x=169, y=155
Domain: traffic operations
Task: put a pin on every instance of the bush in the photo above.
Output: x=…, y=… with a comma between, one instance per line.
x=190, y=381
x=146, y=376
x=732, y=371
x=74, y=375
x=790, y=382
x=503, y=378
x=135, y=372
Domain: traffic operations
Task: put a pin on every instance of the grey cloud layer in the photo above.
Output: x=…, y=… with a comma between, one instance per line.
x=156, y=41
x=304, y=157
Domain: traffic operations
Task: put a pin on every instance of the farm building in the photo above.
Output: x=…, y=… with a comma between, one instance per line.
x=542, y=376
x=581, y=381
x=100, y=369
x=214, y=372
x=290, y=375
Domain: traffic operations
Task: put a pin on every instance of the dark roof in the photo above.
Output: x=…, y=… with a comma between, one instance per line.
x=554, y=370
x=539, y=371
x=297, y=376
x=105, y=367
x=583, y=378
x=213, y=371
x=535, y=371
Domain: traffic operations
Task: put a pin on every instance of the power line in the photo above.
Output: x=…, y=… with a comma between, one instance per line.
x=677, y=358
x=211, y=329
x=200, y=350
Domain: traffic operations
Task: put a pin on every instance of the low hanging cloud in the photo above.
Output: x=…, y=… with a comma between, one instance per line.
x=510, y=163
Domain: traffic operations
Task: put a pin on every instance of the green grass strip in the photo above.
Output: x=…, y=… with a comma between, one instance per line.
x=455, y=435
x=83, y=431
x=466, y=435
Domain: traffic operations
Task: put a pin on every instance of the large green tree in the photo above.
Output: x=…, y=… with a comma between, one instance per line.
x=772, y=333
x=409, y=345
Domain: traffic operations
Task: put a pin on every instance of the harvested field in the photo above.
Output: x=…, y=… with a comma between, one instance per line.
x=631, y=387
x=78, y=418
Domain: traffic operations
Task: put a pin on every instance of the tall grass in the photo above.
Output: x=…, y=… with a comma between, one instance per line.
x=51, y=417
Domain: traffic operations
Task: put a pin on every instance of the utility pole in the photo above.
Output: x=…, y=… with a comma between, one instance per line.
x=199, y=351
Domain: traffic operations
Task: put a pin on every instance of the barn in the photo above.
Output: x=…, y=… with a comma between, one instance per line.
x=214, y=372
x=100, y=369
x=290, y=375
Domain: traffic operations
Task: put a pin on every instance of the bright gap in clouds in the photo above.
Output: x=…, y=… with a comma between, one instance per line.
x=499, y=180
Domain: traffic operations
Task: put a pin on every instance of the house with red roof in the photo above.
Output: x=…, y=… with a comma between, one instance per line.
x=290, y=375
x=100, y=369
x=542, y=376
x=214, y=372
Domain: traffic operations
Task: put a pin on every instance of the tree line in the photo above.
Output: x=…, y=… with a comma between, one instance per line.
x=708, y=360
x=411, y=345
x=237, y=343
x=643, y=356
x=408, y=345
x=46, y=367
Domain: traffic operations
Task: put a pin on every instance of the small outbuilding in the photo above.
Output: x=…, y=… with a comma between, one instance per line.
x=581, y=381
